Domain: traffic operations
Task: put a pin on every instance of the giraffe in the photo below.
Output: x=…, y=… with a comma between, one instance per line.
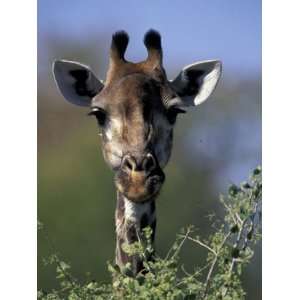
x=136, y=109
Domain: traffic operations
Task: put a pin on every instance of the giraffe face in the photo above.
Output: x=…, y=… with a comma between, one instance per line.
x=136, y=110
x=134, y=120
x=136, y=132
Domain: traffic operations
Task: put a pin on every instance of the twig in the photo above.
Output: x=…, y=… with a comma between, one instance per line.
x=191, y=275
x=246, y=240
x=184, y=237
x=201, y=244
x=235, y=218
x=182, y=242
x=57, y=261
x=239, y=219
x=208, y=277
x=252, y=225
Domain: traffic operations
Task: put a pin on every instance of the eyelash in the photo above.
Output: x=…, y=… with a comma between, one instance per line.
x=100, y=115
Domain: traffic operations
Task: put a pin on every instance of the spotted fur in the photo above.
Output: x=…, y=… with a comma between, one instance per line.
x=131, y=218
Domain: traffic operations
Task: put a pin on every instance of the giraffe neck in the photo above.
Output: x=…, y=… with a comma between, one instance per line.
x=130, y=219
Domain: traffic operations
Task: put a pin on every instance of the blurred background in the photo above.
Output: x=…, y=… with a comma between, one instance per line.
x=214, y=145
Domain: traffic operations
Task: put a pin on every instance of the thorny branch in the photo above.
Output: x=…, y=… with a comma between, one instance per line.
x=247, y=227
x=212, y=267
x=197, y=241
x=255, y=216
x=58, y=263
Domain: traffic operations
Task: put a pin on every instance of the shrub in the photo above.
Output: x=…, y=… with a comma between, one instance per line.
x=229, y=250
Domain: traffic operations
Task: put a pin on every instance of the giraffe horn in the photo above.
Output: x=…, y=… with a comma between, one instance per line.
x=118, y=47
x=152, y=41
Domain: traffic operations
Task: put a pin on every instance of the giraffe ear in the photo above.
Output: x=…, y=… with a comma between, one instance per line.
x=196, y=82
x=76, y=82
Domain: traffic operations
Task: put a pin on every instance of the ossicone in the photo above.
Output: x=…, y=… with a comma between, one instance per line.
x=152, y=41
x=119, y=45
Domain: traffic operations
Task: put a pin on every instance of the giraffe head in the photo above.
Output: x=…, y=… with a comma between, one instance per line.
x=136, y=109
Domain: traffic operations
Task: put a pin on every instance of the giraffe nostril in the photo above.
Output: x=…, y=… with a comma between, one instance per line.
x=129, y=163
x=132, y=164
x=149, y=163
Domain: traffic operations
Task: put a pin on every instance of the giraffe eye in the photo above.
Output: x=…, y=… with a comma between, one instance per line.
x=100, y=115
x=173, y=112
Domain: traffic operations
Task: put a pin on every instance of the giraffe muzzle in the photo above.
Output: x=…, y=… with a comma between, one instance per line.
x=139, y=179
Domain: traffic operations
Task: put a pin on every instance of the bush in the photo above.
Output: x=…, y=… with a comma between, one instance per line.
x=229, y=250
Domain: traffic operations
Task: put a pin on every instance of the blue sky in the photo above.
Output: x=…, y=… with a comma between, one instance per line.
x=191, y=30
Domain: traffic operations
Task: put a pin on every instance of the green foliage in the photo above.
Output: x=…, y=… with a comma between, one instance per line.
x=229, y=251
